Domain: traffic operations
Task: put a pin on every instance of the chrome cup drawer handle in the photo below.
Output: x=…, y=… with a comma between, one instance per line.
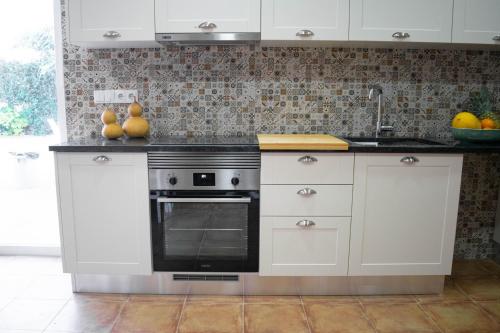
x=305, y=224
x=101, y=159
x=308, y=159
x=409, y=160
x=112, y=34
x=400, y=35
x=304, y=33
x=207, y=25
x=306, y=192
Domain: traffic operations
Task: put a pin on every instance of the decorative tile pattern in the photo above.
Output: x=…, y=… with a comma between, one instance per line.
x=238, y=90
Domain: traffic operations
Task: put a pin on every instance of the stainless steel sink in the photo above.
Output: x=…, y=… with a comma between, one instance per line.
x=376, y=142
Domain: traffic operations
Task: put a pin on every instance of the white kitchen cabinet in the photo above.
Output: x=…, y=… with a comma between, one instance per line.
x=104, y=213
x=112, y=23
x=185, y=16
x=476, y=21
x=318, y=20
x=404, y=214
x=289, y=248
x=401, y=20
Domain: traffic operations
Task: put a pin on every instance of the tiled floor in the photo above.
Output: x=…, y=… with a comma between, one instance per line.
x=36, y=297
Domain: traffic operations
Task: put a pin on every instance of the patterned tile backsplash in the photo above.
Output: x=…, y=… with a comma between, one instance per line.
x=238, y=90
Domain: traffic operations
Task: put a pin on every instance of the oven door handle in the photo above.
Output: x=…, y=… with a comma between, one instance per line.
x=205, y=200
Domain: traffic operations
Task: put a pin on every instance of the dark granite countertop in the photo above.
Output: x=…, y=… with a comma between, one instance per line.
x=249, y=144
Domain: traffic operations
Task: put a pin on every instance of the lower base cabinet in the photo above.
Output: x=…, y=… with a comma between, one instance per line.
x=291, y=246
x=404, y=214
x=104, y=213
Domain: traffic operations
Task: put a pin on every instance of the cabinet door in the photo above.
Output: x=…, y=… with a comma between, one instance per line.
x=285, y=19
x=404, y=214
x=112, y=23
x=384, y=20
x=178, y=16
x=476, y=21
x=288, y=249
x=104, y=213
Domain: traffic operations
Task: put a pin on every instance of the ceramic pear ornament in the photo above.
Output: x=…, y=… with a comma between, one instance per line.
x=135, y=126
x=111, y=128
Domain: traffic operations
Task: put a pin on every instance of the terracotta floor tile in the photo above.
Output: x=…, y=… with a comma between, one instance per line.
x=491, y=266
x=4, y=301
x=148, y=318
x=387, y=299
x=464, y=317
x=24, y=331
x=480, y=289
x=29, y=314
x=49, y=287
x=275, y=318
x=399, y=318
x=272, y=299
x=493, y=308
x=101, y=297
x=330, y=299
x=211, y=318
x=87, y=316
x=468, y=268
x=13, y=285
x=214, y=299
x=450, y=294
x=158, y=298
x=337, y=318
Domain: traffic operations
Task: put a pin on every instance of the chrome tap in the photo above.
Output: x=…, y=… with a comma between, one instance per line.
x=377, y=90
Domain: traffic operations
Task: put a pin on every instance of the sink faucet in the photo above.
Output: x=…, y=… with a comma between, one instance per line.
x=377, y=90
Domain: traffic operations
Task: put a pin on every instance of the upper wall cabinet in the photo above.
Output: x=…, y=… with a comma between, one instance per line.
x=183, y=16
x=476, y=21
x=112, y=23
x=402, y=20
x=320, y=20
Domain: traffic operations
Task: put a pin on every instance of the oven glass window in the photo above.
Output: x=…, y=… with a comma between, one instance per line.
x=205, y=231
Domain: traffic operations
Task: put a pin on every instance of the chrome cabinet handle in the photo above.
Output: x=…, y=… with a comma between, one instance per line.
x=401, y=35
x=409, y=160
x=305, y=224
x=205, y=200
x=496, y=38
x=30, y=155
x=304, y=33
x=112, y=34
x=306, y=192
x=101, y=159
x=207, y=25
x=308, y=159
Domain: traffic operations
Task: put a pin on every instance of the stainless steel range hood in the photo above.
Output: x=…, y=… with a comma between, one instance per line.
x=208, y=38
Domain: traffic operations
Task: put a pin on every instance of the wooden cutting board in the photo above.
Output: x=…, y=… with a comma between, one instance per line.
x=301, y=142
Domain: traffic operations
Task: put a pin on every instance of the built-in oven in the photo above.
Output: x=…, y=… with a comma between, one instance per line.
x=205, y=211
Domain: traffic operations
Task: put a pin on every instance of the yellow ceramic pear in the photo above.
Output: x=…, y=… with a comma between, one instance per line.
x=135, y=126
x=111, y=128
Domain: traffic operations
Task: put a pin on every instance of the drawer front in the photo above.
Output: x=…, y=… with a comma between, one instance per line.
x=307, y=168
x=306, y=200
x=290, y=248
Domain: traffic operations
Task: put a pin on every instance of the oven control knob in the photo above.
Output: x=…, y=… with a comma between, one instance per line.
x=235, y=181
x=172, y=180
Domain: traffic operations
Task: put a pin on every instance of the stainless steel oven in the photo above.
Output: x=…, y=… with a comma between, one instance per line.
x=205, y=211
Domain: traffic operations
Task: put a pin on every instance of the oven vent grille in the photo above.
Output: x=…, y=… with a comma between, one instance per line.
x=210, y=160
x=201, y=277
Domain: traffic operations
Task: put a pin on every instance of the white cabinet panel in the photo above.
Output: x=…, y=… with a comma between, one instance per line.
x=285, y=200
x=291, y=250
x=104, y=213
x=422, y=20
x=325, y=168
x=182, y=16
x=476, y=21
x=404, y=215
x=112, y=23
x=326, y=19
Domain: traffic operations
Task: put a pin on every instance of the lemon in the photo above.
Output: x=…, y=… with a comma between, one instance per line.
x=466, y=120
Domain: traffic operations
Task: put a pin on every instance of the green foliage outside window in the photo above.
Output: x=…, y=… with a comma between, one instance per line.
x=27, y=90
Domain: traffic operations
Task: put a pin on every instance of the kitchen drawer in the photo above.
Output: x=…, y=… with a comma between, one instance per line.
x=307, y=168
x=289, y=248
x=326, y=200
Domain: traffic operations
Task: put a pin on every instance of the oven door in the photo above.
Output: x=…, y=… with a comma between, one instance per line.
x=208, y=231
